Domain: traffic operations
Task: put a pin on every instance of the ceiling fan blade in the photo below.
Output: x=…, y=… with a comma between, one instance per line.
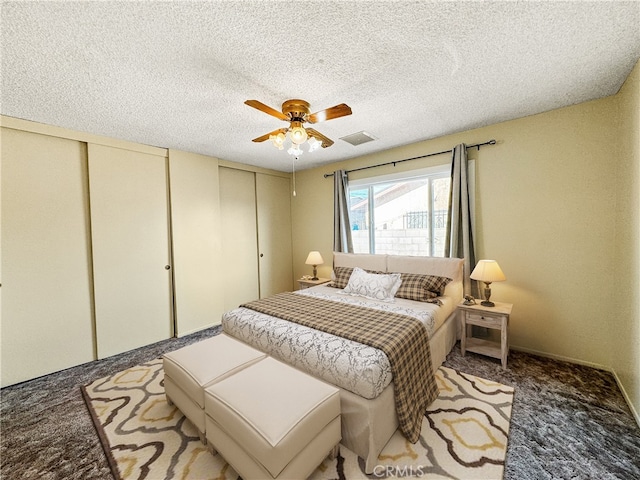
x=326, y=141
x=338, y=111
x=267, y=109
x=266, y=136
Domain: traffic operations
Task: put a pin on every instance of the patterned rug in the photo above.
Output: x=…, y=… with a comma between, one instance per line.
x=464, y=433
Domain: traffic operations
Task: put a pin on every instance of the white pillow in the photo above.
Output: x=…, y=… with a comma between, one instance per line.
x=376, y=286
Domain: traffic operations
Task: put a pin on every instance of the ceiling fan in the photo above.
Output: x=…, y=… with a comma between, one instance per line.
x=296, y=112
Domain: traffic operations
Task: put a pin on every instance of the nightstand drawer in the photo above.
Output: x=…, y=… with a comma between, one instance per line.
x=489, y=321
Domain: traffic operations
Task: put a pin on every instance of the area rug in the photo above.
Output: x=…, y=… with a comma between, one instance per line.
x=464, y=433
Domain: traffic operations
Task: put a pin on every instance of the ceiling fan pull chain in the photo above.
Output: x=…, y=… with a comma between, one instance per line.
x=293, y=162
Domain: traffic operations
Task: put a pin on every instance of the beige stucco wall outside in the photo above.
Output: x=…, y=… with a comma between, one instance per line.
x=546, y=210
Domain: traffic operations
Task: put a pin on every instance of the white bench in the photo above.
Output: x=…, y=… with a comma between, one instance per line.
x=189, y=370
x=267, y=419
x=271, y=421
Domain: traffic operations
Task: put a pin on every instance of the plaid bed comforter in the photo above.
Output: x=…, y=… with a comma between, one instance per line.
x=402, y=338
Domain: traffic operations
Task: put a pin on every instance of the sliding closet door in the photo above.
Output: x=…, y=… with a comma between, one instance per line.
x=131, y=252
x=239, y=234
x=46, y=286
x=274, y=234
x=195, y=221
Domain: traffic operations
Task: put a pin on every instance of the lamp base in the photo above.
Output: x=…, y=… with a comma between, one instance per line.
x=487, y=296
x=315, y=273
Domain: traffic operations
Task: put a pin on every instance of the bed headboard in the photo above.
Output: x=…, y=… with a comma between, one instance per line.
x=363, y=260
x=443, y=267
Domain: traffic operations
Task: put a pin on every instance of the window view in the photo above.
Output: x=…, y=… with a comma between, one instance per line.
x=400, y=217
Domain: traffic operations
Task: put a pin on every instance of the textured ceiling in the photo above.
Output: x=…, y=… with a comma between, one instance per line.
x=176, y=74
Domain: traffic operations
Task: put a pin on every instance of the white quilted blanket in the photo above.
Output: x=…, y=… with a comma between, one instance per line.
x=353, y=366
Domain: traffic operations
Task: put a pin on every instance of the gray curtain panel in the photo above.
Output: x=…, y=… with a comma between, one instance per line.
x=341, y=224
x=459, y=235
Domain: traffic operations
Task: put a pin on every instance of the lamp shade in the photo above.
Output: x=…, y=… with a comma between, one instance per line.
x=314, y=258
x=488, y=271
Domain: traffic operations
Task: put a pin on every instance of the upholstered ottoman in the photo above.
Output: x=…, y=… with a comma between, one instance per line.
x=189, y=370
x=271, y=421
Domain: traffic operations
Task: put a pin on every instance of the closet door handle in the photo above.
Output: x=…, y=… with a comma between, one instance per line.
x=261, y=255
x=167, y=267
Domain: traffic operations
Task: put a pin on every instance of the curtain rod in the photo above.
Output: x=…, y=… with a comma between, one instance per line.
x=477, y=145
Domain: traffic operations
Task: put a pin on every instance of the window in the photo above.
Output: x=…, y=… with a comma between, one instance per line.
x=400, y=214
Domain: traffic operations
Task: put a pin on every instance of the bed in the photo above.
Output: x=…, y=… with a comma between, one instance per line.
x=362, y=373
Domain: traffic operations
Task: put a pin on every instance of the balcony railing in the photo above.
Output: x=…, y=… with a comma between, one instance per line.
x=421, y=219
x=410, y=220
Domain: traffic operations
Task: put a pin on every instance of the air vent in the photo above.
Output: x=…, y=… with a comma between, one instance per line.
x=358, y=138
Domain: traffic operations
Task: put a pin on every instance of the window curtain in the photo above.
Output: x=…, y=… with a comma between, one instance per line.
x=341, y=225
x=459, y=234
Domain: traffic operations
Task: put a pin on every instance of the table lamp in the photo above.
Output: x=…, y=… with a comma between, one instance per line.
x=488, y=271
x=315, y=259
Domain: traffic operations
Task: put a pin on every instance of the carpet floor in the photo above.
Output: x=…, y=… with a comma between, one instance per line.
x=463, y=434
x=568, y=421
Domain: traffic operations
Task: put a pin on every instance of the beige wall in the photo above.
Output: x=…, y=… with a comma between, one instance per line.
x=546, y=210
x=626, y=344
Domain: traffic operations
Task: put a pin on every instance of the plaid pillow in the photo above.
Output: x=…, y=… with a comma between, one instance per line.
x=343, y=274
x=421, y=287
x=436, y=284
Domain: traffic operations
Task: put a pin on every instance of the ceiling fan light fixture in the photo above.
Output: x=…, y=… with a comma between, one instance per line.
x=278, y=140
x=296, y=112
x=294, y=150
x=314, y=144
x=297, y=133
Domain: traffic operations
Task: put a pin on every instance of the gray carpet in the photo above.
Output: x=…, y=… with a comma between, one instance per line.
x=568, y=421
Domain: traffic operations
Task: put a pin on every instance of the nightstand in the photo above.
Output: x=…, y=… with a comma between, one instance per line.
x=306, y=283
x=489, y=317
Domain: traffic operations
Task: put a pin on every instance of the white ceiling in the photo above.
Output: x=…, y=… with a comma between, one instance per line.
x=176, y=74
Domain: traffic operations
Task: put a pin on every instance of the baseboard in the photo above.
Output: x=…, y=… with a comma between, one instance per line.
x=634, y=412
x=561, y=358
x=199, y=329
